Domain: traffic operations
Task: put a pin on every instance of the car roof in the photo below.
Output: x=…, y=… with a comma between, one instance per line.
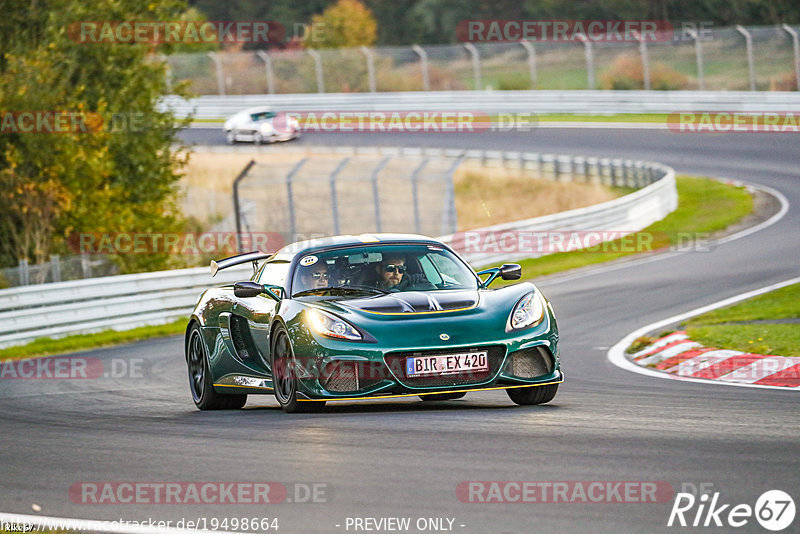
x=259, y=109
x=288, y=252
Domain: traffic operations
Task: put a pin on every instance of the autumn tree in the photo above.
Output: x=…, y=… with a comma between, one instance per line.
x=346, y=24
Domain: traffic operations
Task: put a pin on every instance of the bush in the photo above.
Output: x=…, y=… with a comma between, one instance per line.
x=627, y=73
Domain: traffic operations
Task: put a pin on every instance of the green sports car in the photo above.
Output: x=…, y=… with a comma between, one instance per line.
x=369, y=317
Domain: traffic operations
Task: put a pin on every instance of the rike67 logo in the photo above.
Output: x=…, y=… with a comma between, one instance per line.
x=774, y=510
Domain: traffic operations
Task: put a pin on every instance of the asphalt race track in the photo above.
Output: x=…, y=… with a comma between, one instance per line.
x=405, y=458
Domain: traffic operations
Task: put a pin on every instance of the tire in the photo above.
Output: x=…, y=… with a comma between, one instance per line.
x=230, y=137
x=284, y=379
x=200, y=383
x=257, y=138
x=533, y=395
x=442, y=396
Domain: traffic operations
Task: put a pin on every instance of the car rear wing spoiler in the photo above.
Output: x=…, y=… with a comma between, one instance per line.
x=254, y=256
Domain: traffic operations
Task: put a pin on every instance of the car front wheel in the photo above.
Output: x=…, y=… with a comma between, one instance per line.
x=533, y=395
x=284, y=376
x=200, y=382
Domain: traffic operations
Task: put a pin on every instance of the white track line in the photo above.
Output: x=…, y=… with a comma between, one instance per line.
x=616, y=354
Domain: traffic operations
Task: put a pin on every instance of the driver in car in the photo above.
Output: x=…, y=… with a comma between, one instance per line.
x=315, y=276
x=392, y=275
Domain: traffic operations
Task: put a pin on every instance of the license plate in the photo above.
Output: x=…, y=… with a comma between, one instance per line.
x=447, y=364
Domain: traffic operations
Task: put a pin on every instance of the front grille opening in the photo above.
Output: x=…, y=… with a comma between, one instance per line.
x=397, y=360
x=530, y=363
x=349, y=376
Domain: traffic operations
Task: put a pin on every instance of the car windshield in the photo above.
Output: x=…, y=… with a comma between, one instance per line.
x=262, y=116
x=381, y=269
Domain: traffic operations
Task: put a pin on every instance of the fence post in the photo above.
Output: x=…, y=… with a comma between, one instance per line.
x=24, y=275
x=290, y=198
x=236, y=206
x=370, y=68
x=698, y=52
x=220, y=74
x=86, y=267
x=334, y=202
x=531, y=61
x=318, y=69
x=587, y=45
x=645, y=60
x=268, y=68
x=748, y=41
x=423, y=62
x=55, y=265
x=449, y=216
x=476, y=64
x=375, y=192
x=415, y=196
x=796, y=45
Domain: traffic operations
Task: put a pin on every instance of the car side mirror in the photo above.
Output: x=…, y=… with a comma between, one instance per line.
x=510, y=271
x=252, y=289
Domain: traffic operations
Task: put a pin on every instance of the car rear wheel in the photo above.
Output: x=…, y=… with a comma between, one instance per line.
x=200, y=382
x=533, y=395
x=442, y=396
x=284, y=376
x=257, y=138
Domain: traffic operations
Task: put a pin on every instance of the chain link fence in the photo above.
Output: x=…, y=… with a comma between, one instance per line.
x=765, y=58
x=329, y=195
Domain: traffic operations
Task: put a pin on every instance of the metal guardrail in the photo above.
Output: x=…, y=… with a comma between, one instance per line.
x=492, y=102
x=128, y=301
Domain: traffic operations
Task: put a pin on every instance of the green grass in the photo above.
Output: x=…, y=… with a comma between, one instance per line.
x=48, y=346
x=782, y=303
x=704, y=207
x=777, y=339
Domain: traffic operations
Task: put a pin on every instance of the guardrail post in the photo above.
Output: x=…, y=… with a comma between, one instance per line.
x=290, y=198
x=415, y=194
x=268, y=68
x=748, y=41
x=589, y=52
x=476, y=64
x=796, y=46
x=375, y=192
x=334, y=202
x=55, y=265
x=423, y=63
x=318, y=69
x=370, y=68
x=698, y=52
x=531, y=61
x=220, y=74
x=645, y=61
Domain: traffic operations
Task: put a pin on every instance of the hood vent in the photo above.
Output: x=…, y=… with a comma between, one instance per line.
x=411, y=302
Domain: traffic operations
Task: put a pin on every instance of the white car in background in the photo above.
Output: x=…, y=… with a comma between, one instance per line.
x=260, y=125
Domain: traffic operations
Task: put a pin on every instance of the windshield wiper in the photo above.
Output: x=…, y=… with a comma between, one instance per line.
x=341, y=289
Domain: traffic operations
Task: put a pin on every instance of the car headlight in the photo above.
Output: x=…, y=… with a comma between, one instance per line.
x=528, y=312
x=330, y=325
